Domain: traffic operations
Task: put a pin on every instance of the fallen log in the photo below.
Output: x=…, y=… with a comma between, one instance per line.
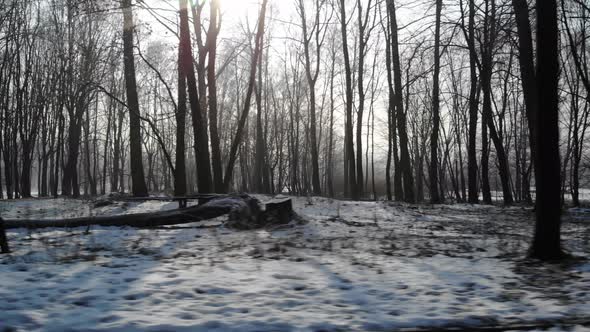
x=245, y=212
x=182, y=200
x=212, y=209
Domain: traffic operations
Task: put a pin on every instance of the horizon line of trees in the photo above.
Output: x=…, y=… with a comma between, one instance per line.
x=344, y=98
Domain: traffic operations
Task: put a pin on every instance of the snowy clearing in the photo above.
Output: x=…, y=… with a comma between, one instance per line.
x=351, y=266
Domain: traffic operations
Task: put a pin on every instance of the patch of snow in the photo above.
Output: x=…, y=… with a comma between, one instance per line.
x=354, y=266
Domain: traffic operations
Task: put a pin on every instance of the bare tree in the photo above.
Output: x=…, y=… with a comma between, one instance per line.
x=201, y=142
x=405, y=165
x=139, y=187
x=350, y=169
x=252, y=80
x=434, y=191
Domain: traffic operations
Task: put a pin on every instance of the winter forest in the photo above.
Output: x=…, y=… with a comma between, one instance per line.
x=204, y=141
x=358, y=99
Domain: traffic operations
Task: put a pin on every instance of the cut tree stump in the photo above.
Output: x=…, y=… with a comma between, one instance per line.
x=3, y=240
x=278, y=211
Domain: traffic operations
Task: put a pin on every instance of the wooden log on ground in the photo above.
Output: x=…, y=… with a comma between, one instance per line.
x=214, y=208
x=182, y=200
x=3, y=240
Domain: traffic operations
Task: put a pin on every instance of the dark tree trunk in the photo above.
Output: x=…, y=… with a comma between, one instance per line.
x=212, y=85
x=487, y=116
x=348, y=136
x=547, y=240
x=117, y=185
x=139, y=187
x=392, y=154
x=201, y=144
x=70, y=186
x=527, y=68
x=107, y=140
x=473, y=105
x=180, y=167
x=362, y=43
x=405, y=163
x=485, y=164
x=4, y=249
x=330, y=163
x=260, y=150
x=434, y=193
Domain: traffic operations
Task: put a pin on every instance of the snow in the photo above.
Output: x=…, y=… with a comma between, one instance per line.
x=34, y=208
x=352, y=266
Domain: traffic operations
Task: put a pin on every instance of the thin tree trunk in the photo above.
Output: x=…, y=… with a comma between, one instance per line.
x=244, y=116
x=434, y=194
x=180, y=163
x=212, y=86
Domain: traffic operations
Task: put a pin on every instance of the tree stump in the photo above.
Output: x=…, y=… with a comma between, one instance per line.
x=250, y=216
x=278, y=211
x=3, y=240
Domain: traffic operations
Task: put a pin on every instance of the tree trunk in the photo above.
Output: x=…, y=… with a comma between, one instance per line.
x=434, y=194
x=139, y=187
x=547, y=240
x=180, y=164
x=4, y=249
x=201, y=144
x=212, y=85
x=348, y=136
x=487, y=116
x=527, y=68
x=405, y=163
x=244, y=116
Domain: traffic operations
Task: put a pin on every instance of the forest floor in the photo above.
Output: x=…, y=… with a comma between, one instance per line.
x=343, y=266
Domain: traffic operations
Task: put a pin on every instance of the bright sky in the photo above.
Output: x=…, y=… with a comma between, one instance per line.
x=232, y=11
x=239, y=14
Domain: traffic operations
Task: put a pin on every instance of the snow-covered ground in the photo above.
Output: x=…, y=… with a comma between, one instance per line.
x=346, y=266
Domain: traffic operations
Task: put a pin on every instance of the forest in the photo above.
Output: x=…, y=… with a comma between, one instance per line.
x=357, y=99
x=397, y=120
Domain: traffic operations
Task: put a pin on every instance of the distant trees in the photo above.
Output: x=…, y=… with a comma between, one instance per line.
x=312, y=42
x=237, y=140
x=352, y=99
